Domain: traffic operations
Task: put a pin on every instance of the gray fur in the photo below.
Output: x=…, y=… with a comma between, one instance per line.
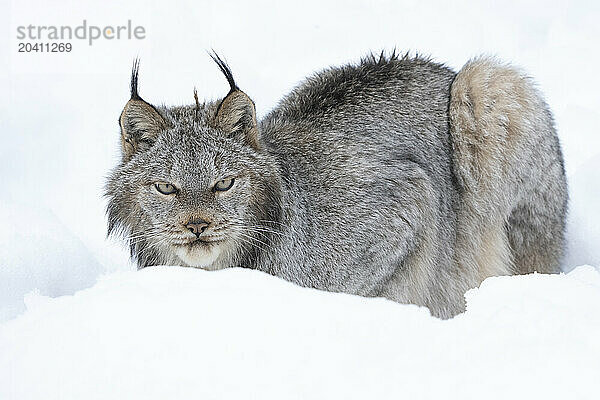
x=392, y=177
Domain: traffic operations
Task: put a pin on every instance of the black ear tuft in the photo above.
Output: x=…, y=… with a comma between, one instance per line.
x=140, y=122
x=225, y=70
x=236, y=114
x=134, y=79
x=197, y=110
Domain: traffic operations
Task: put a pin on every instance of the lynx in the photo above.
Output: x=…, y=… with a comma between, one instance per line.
x=394, y=177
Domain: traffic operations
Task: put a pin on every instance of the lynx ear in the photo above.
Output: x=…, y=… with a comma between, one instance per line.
x=236, y=115
x=140, y=122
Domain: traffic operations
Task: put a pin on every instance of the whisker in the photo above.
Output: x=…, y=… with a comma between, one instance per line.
x=146, y=233
x=243, y=240
x=259, y=230
x=253, y=239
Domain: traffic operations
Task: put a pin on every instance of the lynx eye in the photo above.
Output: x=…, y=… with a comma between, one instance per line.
x=224, y=184
x=165, y=188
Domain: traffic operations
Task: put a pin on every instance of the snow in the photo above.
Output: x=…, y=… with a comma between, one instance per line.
x=59, y=265
x=584, y=223
x=169, y=332
x=77, y=322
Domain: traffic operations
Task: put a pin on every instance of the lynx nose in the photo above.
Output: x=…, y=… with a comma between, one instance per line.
x=197, y=226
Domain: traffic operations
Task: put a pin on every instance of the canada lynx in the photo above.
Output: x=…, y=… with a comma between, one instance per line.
x=392, y=177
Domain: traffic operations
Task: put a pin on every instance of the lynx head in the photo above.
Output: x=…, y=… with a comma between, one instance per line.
x=195, y=185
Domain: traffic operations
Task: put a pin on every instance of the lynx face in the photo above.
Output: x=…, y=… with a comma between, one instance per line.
x=194, y=187
x=195, y=219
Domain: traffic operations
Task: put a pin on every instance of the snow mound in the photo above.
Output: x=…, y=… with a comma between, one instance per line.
x=584, y=221
x=37, y=252
x=177, y=333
